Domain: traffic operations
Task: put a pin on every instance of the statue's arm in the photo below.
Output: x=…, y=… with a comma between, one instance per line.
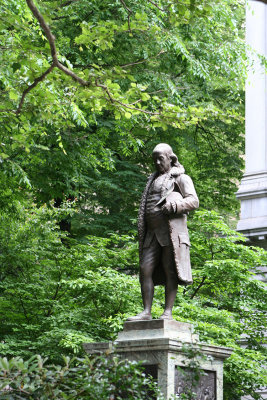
x=189, y=200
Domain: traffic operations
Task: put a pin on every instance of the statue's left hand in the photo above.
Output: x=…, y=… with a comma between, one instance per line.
x=167, y=208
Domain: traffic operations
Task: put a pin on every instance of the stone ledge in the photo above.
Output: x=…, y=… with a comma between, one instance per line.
x=155, y=345
x=156, y=329
x=157, y=324
x=253, y=185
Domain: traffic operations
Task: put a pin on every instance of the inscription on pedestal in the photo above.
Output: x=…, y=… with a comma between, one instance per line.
x=203, y=384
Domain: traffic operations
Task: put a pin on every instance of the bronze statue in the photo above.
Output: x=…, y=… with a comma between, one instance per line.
x=162, y=226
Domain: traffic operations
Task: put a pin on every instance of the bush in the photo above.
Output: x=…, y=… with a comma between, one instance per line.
x=95, y=378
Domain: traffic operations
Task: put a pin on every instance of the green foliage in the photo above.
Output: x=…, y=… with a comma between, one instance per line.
x=57, y=293
x=156, y=72
x=78, y=378
x=74, y=160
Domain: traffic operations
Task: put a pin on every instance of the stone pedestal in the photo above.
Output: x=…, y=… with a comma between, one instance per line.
x=161, y=345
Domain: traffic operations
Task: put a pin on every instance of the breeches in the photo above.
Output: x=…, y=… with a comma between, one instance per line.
x=155, y=255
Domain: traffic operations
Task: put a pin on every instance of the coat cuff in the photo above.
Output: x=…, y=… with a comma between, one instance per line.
x=177, y=208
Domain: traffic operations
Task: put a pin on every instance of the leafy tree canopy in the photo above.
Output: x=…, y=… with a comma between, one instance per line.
x=91, y=87
x=87, y=90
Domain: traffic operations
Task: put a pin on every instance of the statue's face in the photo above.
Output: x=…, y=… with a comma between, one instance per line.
x=162, y=161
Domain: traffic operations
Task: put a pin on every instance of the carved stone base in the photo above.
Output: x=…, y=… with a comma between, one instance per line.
x=168, y=349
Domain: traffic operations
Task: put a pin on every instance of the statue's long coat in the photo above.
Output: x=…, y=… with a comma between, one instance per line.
x=177, y=188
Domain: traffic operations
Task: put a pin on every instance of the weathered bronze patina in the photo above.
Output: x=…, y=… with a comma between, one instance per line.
x=163, y=236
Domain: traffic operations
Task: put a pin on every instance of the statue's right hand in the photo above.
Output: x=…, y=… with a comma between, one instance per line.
x=167, y=208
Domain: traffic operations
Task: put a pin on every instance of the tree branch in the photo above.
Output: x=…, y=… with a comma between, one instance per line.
x=106, y=90
x=135, y=109
x=154, y=4
x=72, y=74
x=67, y=3
x=125, y=6
x=129, y=14
x=199, y=286
x=208, y=132
x=24, y=310
x=56, y=63
x=143, y=60
x=60, y=17
x=50, y=37
x=49, y=312
x=124, y=104
x=29, y=88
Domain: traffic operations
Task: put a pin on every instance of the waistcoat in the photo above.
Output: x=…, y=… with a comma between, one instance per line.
x=157, y=222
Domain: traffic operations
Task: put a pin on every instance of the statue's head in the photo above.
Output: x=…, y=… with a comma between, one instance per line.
x=164, y=158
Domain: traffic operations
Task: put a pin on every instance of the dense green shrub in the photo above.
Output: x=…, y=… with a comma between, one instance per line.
x=96, y=378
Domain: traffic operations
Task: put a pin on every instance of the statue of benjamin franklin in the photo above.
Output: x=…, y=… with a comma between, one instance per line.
x=162, y=226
